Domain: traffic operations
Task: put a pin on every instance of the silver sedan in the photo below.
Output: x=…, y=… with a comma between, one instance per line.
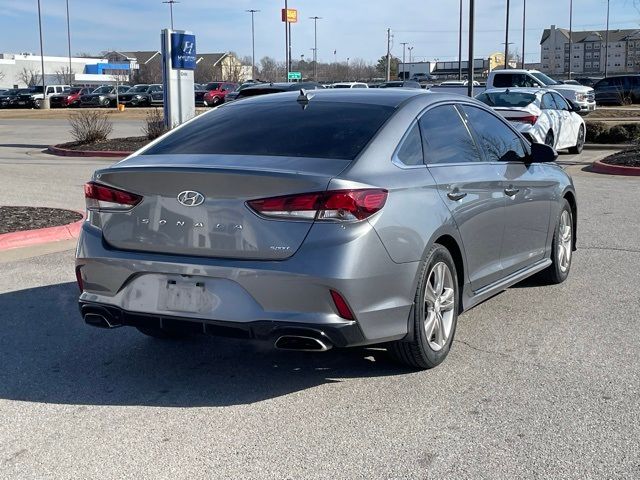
x=325, y=219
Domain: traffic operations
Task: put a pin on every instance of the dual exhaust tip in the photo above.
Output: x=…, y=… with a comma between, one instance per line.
x=300, y=343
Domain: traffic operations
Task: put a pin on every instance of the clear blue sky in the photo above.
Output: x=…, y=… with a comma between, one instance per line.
x=355, y=28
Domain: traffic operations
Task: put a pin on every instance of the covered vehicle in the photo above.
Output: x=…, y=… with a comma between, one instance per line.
x=541, y=115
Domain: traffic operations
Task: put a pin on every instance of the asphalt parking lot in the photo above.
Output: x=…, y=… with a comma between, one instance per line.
x=542, y=382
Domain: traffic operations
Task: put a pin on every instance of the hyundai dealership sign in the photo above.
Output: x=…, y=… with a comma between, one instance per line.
x=178, y=64
x=183, y=51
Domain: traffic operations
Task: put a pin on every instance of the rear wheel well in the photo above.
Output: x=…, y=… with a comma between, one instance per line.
x=574, y=214
x=450, y=244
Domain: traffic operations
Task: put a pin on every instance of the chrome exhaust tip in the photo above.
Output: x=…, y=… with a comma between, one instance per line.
x=98, y=320
x=302, y=344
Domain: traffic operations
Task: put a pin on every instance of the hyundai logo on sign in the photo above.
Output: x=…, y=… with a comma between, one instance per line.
x=183, y=51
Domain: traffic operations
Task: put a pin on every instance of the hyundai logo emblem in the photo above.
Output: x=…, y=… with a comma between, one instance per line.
x=189, y=198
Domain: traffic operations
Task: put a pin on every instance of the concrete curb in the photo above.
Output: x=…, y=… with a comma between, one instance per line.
x=28, y=238
x=65, y=152
x=599, y=167
x=606, y=146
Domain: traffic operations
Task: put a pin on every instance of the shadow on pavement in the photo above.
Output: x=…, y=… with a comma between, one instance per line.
x=48, y=354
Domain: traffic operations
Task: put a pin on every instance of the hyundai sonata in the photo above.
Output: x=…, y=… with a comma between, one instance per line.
x=324, y=218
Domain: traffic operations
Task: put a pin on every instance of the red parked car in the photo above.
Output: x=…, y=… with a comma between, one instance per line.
x=70, y=98
x=216, y=92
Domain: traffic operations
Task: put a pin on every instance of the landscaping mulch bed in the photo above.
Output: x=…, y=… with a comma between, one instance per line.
x=128, y=144
x=18, y=219
x=626, y=158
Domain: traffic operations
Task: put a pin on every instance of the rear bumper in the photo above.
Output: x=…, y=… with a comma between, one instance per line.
x=340, y=334
x=258, y=296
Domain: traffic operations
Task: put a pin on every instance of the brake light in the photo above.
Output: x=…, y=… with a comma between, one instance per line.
x=530, y=119
x=79, y=279
x=341, y=305
x=101, y=197
x=337, y=205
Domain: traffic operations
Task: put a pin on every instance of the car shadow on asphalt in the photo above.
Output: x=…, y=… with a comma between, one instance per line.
x=23, y=145
x=48, y=355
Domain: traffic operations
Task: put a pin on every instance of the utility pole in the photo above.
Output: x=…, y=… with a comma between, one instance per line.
x=471, y=34
x=570, y=35
x=506, y=40
x=253, y=45
x=315, y=46
x=524, y=29
x=69, y=40
x=606, y=47
x=286, y=42
x=404, y=44
x=388, y=54
x=460, y=45
x=45, y=99
x=171, y=2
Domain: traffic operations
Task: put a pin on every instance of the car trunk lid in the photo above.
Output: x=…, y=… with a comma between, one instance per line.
x=222, y=225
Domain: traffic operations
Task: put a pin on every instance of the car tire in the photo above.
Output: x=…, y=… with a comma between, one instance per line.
x=435, y=313
x=161, y=333
x=577, y=149
x=561, y=248
x=37, y=104
x=550, y=140
x=105, y=103
x=215, y=101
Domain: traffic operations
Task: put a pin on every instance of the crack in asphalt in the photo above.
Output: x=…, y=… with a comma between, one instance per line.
x=505, y=356
x=617, y=249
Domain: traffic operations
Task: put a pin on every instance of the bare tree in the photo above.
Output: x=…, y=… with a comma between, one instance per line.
x=148, y=73
x=85, y=55
x=268, y=70
x=29, y=77
x=65, y=75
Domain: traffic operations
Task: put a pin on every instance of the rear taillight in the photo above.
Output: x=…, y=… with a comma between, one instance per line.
x=530, y=119
x=337, y=205
x=79, y=278
x=101, y=197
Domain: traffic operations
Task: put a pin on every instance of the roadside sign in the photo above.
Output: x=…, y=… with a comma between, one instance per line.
x=294, y=76
x=290, y=15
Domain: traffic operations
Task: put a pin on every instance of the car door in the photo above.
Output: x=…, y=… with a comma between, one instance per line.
x=550, y=108
x=469, y=186
x=526, y=188
x=568, y=128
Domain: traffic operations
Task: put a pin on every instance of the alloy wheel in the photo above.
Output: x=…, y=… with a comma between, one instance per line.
x=564, y=241
x=439, y=298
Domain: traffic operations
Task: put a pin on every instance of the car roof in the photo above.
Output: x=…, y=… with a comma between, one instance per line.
x=384, y=97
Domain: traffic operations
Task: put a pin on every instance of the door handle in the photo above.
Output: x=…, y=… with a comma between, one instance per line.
x=456, y=195
x=511, y=191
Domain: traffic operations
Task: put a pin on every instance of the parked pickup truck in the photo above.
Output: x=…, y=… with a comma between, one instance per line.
x=578, y=94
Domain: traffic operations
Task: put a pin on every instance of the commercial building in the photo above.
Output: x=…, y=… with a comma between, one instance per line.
x=588, y=50
x=24, y=69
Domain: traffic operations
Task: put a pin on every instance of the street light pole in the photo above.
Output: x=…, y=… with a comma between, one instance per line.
x=404, y=44
x=410, y=50
x=388, y=54
x=69, y=40
x=171, y=2
x=471, y=33
x=460, y=45
x=606, y=47
x=570, y=34
x=253, y=45
x=286, y=41
x=524, y=29
x=506, y=40
x=315, y=47
x=45, y=99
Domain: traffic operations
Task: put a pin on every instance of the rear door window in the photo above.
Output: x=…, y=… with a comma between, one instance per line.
x=446, y=138
x=561, y=103
x=548, y=103
x=278, y=128
x=499, y=142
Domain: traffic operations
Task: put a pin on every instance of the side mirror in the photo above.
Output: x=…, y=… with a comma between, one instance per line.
x=574, y=106
x=541, y=153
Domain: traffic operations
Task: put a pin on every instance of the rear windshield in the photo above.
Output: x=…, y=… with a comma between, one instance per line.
x=321, y=130
x=504, y=99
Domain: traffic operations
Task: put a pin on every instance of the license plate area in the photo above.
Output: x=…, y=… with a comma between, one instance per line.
x=182, y=296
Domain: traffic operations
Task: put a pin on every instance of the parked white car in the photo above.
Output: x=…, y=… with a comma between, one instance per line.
x=541, y=115
x=350, y=85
